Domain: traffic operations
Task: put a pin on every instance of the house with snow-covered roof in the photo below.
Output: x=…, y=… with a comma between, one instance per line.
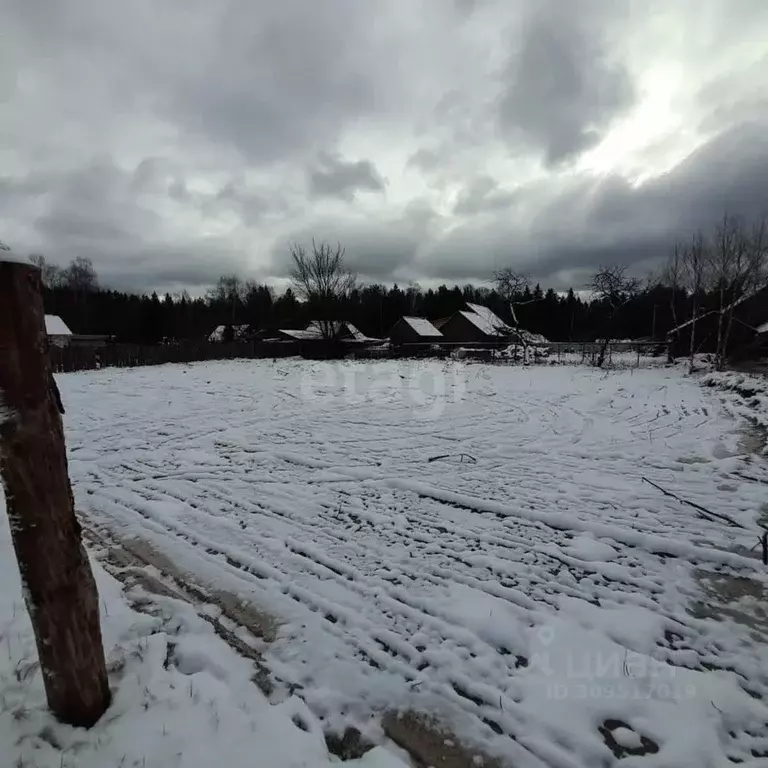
x=57, y=331
x=325, y=330
x=414, y=330
x=475, y=325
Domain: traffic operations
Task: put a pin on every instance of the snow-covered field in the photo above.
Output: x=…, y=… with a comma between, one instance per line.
x=470, y=541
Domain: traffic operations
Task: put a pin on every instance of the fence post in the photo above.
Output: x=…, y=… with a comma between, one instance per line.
x=59, y=588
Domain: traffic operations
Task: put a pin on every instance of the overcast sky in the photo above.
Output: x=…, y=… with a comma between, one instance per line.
x=175, y=140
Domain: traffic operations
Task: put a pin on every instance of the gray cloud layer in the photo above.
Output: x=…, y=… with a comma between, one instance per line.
x=561, y=88
x=171, y=143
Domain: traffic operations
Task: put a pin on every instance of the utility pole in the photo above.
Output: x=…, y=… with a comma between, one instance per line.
x=59, y=588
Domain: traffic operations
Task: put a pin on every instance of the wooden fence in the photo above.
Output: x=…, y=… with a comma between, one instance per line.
x=80, y=358
x=76, y=358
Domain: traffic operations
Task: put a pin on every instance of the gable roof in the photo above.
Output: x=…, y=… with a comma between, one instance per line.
x=300, y=334
x=356, y=333
x=55, y=326
x=485, y=320
x=422, y=326
x=480, y=323
x=492, y=324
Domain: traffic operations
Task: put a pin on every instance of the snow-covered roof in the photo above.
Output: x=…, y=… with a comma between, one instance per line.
x=54, y=325
x=356, y=334
x=762, y=328
x=493, y=320
x=422, y=326
x=302, y=334
x=484, y=324
x=317, y=330
x=6, y=254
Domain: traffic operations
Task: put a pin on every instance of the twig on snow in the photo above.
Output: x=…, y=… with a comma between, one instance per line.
x=698, y=507
x=461, y=456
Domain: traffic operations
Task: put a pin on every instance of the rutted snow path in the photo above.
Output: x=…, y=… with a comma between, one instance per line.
x=527, y=587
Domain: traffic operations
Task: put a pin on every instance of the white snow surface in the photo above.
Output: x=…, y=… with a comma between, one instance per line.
x=180, y=695
x=627, y=738
x=749, y=392
x=55, y=326
x=475, y=542
x=422, y=326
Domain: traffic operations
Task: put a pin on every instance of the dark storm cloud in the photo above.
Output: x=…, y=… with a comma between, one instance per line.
x=335, y=177
x=287, y=76
x=268, y=78
x=561, y=87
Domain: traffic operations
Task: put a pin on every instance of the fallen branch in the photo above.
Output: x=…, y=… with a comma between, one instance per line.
x=703, y=510
x=461, y=456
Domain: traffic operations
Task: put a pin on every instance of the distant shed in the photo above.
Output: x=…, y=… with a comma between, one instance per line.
x=476, y=325
x=414, y=330
x=57, y=331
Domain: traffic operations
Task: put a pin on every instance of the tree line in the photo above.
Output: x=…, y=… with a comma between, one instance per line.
x=704, y=273
x=90, y=308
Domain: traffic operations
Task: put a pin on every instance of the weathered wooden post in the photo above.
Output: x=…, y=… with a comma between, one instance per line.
x=59, y=588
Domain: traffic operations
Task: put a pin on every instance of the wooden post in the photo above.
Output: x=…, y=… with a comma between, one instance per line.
x=59, y=588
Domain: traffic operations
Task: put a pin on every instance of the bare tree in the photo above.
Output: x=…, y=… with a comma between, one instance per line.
x=230, y=290
x=511, y=286
x=50, y=273
x=322, y=279
x=672, y=276
x=412, y=295
x=613, y=287
x=80, y=276
x=737, y=269
x=695, y=262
